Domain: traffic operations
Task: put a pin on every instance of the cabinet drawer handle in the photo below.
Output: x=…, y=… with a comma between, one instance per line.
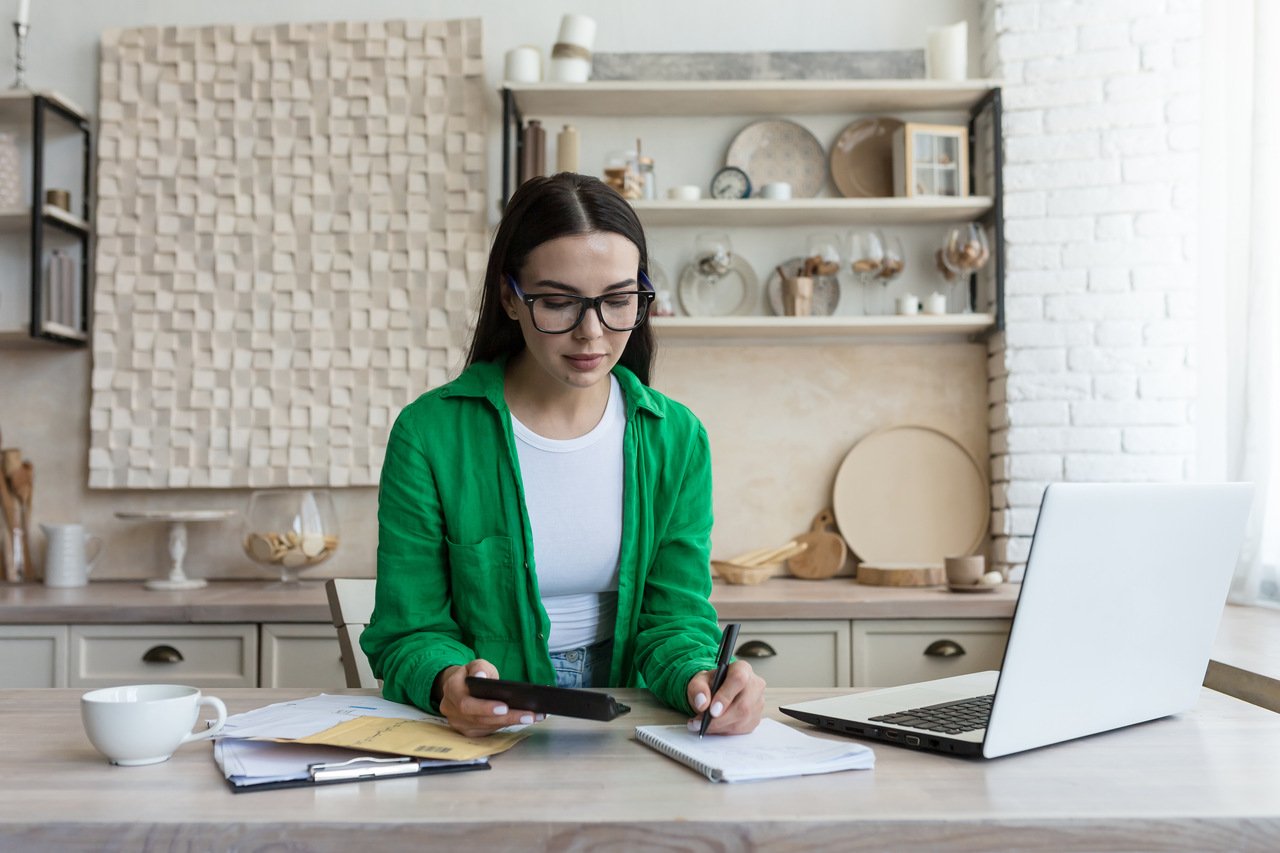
x=944, y=649
x=162, y=654
x=755, y=649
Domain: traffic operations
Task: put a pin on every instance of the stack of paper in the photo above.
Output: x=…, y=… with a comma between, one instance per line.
x=326, y=738
x=772, y=751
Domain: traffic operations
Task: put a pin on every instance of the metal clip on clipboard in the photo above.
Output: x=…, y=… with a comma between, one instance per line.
x=364, y=767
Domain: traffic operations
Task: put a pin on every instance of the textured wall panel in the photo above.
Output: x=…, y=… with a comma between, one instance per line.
x=290, y=219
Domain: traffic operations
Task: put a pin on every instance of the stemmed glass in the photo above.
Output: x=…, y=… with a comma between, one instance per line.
x=965, y=250
x=713, y=253
x=822, y=254
x=288, y=530
x=894, y=260
x=866, y=259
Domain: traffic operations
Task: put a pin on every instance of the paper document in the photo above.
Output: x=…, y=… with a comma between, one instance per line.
x=258, y=763
x=366, y=723
x=772, y=751
x=301, y=717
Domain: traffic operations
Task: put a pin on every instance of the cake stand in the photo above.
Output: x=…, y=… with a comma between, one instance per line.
x=177, y=520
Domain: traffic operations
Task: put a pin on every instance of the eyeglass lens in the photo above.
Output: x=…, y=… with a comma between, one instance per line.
x=619, y=312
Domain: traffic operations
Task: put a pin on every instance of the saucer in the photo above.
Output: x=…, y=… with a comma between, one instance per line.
x=973, y=587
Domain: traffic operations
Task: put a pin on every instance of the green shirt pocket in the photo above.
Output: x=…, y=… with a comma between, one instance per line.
x=484, y=587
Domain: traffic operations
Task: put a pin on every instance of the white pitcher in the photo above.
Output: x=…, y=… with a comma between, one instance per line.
x=66, y=563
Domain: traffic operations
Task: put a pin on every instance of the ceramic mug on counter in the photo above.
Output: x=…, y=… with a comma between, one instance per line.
x=146, y=723
x=66, y=563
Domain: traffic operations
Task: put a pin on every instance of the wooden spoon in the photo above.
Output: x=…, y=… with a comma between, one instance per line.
x=826, y=552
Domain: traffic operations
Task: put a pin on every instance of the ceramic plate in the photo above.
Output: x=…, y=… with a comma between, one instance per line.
x=826, y=290
x=972, y=587
x=911, y=494
x=732, y=293
x=862, y=158
x=778, y=150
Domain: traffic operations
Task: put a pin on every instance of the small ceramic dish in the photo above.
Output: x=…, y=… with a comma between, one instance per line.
x=973, y=587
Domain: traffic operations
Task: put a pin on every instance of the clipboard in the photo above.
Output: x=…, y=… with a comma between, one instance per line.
x=541, y=699
x=361, y=769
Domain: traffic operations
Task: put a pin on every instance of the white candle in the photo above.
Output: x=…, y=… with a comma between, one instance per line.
x=946, y=52
x=24, y=9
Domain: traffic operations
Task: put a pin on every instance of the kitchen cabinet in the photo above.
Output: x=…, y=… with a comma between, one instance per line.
x=200, y=655
x=797, y=652
x=888, y=652
x=57, y=137
x=869, y=652
x=33, y=655
x=300, y=654
x=980, y=100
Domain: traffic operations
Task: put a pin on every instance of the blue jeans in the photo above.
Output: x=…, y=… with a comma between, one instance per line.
x=583, y=667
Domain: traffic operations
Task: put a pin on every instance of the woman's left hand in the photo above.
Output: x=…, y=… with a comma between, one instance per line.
x=738, y=704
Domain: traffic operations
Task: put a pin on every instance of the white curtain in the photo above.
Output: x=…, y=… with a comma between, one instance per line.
x=1243, y=37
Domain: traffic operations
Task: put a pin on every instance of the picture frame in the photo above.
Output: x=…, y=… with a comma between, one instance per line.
x=931, y=160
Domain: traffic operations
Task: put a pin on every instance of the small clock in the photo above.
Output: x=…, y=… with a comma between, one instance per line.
x=730, y=182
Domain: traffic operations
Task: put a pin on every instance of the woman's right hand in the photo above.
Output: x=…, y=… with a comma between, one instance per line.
x=471, y=716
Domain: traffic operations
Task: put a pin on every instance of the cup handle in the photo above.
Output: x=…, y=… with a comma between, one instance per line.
x=216, y=704
x=89, y=540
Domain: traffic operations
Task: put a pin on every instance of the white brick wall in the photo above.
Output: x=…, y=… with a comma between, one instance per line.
x=1094, y=376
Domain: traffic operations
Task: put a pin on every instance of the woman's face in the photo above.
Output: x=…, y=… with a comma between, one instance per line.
x=578, y=265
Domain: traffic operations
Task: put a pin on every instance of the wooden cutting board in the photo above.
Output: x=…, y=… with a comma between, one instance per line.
x=901, y=574
x=826, y=552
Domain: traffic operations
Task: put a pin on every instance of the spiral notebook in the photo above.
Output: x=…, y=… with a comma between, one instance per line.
x=773, y=751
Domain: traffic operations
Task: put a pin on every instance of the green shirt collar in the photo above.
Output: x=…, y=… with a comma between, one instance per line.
x=484, y=379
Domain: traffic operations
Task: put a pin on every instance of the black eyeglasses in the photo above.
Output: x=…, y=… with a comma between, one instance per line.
x=558, y=313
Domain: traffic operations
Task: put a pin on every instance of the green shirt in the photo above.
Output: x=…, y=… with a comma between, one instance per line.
x=456, y=579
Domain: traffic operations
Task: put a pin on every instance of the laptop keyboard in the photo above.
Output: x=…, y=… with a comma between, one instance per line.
x=949, y=718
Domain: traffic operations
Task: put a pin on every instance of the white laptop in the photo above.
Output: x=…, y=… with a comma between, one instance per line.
x=1118, y=611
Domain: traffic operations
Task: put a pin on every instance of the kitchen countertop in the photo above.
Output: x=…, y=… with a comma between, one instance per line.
x=250, y=601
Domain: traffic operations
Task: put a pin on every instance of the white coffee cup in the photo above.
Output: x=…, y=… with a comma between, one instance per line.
x=908, y=304
x=66, y=563
x=145, y=723
x=684, y=192
x=776, y=190
x=935, y=303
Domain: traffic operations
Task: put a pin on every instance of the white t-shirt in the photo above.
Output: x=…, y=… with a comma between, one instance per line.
x=573, y=493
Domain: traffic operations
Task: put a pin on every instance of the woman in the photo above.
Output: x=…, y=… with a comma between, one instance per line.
x=546, y=516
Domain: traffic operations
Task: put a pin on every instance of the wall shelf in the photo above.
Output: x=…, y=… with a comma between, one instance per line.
x=744, y=97
x=64, y=318
x=640, y=98
x=792, y=330
x=812, y=211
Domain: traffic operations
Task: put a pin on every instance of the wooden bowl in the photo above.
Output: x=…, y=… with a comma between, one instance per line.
x=735, y=573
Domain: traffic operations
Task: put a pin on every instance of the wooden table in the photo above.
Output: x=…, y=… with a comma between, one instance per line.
x=1246, y=655
x=1208, y=779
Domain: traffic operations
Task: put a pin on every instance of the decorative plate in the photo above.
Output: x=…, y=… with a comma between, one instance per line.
x=862, y=158
x=732, y=293
x=911, y=494
x=826, y=290
x=778, y=150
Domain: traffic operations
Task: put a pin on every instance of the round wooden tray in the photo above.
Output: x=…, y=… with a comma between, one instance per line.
x=911, y=494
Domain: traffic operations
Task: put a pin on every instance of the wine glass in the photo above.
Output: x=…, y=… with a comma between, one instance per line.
x=866, y=259
x=965, y=250
x=894, y=260
x=290, y=531
x=822, y=254
x=713, y=254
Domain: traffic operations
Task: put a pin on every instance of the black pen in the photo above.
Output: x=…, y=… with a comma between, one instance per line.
x=727, y=642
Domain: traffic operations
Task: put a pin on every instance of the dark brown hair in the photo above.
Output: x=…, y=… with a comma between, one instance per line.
x=542, y=210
